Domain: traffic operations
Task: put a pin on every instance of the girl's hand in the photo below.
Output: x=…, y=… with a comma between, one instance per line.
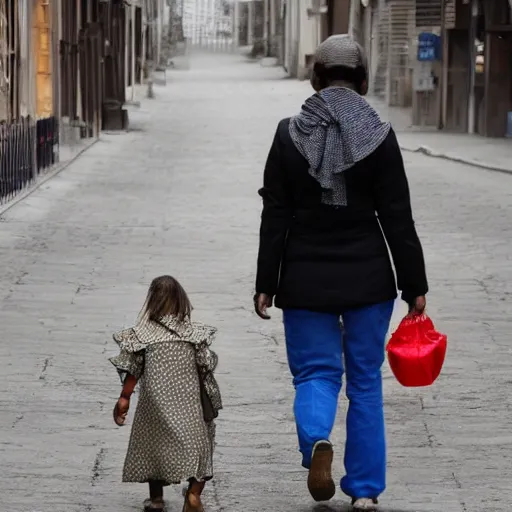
x=121, y=411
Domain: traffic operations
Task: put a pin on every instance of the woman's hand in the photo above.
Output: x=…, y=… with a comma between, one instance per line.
x=262, y=302
x=418, y=306
x=121, y=411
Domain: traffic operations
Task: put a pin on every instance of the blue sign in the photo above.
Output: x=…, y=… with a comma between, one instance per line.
x=429, y=47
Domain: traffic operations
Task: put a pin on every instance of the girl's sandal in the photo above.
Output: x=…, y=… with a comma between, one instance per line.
x=187, y=506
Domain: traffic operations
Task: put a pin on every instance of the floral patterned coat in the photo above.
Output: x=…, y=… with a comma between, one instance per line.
x=170, y=440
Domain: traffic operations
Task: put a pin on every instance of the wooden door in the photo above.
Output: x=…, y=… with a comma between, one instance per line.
x=43, y=58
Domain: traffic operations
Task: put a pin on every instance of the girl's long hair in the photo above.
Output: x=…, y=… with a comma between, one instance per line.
x=166, y=297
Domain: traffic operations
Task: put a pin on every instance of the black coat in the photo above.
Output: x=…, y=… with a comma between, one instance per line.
x=324, y=258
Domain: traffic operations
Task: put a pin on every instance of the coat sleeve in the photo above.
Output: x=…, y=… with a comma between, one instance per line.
x=393, y=205
x=275, y=219
x=128, y=363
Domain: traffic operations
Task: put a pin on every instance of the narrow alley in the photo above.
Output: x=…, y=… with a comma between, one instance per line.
x=178, y=194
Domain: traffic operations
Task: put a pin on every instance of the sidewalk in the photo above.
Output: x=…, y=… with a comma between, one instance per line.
x=491, y=154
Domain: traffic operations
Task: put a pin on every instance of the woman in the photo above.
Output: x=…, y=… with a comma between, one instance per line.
x=335, y=191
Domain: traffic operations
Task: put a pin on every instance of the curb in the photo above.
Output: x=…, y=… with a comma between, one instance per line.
x=42, y=180
x=425, y=150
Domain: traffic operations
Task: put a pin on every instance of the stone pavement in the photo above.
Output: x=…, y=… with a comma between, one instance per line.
x=177, y=194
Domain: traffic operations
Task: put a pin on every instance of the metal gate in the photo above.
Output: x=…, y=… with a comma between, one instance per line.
x=17, y=165
x=17, y=134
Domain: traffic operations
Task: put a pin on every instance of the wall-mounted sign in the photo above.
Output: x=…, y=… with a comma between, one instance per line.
x=429, y=47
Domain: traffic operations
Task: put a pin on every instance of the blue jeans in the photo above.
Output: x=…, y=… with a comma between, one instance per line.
x=318, y=348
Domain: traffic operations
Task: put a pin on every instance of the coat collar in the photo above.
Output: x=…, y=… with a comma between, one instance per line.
x=147, y=332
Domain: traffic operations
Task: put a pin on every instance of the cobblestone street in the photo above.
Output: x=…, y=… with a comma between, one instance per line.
x=178, y=194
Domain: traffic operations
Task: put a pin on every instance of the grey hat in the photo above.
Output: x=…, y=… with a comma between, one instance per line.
x=341, y=50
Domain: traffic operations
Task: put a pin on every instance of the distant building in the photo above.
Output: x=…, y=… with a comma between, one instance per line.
x=466, y=86
x=203, y=19
x=306, y=24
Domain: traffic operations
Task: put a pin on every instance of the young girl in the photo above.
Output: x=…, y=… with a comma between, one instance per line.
x=173, y=429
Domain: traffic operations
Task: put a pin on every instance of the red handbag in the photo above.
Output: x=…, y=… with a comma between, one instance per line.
x=416, y=352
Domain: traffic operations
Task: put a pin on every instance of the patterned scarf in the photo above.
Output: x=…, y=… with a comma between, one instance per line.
x=335, y=129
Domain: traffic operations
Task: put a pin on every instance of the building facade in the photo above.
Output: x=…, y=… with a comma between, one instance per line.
x=205, y=21
x=65, y=66
x=249, y=23
x=446, y=61
x=306, y=24
x=488, y=99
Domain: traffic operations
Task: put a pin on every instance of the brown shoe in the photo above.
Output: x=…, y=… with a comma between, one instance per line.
x=320, y=483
